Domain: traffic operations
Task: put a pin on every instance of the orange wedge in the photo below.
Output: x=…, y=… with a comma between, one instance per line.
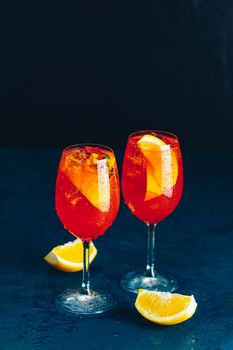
x=69, y=257
x=91, y=177
x=165, y=308
x=162, y=167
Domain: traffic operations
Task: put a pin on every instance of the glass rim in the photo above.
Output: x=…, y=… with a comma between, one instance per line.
x=149, y=131
x=84, y=144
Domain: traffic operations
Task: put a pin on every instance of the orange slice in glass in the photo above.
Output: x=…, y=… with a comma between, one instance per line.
x=162, y=167
x=90, y=177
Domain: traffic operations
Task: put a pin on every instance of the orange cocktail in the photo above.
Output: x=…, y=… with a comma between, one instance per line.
x=87, y=191
x=152, y=179
x=87, y=202
x=152, y=183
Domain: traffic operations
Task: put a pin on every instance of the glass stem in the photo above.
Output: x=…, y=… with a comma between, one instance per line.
x=150, y=266
x=86, y=269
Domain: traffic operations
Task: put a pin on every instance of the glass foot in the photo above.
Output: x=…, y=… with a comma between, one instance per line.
x=133, y=281
x=75, y=303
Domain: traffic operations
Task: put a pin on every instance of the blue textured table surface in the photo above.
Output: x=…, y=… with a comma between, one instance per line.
x=194, y=244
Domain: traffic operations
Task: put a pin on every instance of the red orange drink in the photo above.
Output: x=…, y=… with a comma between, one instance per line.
x=87, y=191
x=152, y=183
x=87, y=202
x=152, y=179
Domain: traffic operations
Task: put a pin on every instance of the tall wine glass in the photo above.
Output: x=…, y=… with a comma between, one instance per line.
x=87, y=202
x=152, y=183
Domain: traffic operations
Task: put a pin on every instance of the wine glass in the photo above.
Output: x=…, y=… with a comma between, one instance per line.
x=152, y=183
x=87, y=202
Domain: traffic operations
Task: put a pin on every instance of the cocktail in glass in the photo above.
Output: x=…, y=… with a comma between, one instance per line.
x=87, y=202
x=152, y=183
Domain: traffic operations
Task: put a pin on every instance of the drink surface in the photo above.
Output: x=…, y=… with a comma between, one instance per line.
x=87, y=191
x=152, y=176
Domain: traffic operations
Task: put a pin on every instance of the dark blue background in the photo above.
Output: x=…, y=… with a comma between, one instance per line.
x=95, y=71
x=92, y=71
